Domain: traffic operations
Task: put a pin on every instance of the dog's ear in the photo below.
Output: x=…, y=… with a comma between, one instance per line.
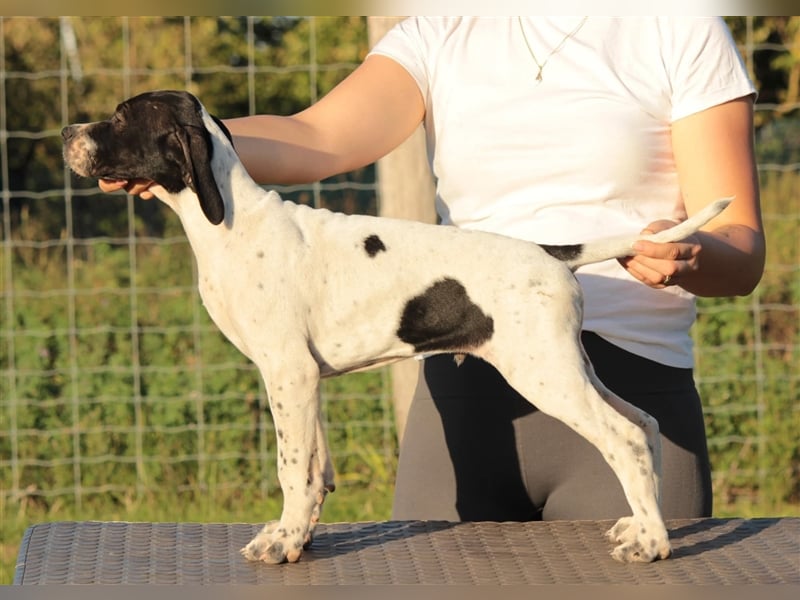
x=197, y=149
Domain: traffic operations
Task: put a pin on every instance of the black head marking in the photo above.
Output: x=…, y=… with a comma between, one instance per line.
x=160, y=136
x=444, y=318
x=198, y=149
x=373, y=244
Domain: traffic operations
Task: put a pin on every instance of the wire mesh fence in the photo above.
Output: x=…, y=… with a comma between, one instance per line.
x=113, y=380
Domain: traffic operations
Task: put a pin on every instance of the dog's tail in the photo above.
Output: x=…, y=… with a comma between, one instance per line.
x=578, y=255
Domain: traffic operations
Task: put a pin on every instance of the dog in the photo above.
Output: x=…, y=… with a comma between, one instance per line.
x=307, y=293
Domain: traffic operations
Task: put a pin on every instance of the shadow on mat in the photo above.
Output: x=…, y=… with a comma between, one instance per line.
x=359, y=536
x=696, y=537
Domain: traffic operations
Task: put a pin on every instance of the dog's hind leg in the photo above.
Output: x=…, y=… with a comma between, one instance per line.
x=623, y=533
x=561, y=383
x=635, y=415
x=303, y=464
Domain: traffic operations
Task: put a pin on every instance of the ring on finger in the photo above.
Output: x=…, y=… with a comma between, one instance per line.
x=667, y=279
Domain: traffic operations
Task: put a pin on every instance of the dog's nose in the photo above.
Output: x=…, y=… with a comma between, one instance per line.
x=68, y=132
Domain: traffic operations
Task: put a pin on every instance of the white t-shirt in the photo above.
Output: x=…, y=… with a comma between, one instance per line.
x=583, y=154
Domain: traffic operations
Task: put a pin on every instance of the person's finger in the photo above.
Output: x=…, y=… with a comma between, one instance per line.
x=141, y=188
x=672, y=251
x=112, y=185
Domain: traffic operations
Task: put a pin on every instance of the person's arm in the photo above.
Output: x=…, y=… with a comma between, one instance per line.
x=368, y=114
x=715, y=157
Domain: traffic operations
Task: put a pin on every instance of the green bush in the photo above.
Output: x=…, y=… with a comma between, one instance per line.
x=747, y=357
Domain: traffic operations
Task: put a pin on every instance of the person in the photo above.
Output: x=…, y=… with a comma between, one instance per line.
x=556, y=130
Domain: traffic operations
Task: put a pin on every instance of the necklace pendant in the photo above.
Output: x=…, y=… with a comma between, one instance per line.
x=541, y=65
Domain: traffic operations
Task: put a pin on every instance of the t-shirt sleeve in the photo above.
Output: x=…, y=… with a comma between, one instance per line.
x=704, y=66
x=406, y=43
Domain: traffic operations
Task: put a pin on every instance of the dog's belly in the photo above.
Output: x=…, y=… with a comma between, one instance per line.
x=326, y=370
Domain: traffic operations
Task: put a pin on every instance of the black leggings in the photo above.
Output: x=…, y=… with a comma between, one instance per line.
x=475, y=450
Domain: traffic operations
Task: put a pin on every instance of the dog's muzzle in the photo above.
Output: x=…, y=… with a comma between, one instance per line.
x=78, y=149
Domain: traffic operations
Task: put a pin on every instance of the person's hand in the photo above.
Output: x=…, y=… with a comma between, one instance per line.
x=136, y=187
x=661, y=265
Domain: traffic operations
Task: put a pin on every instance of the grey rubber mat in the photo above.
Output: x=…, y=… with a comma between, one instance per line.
x=707, y=551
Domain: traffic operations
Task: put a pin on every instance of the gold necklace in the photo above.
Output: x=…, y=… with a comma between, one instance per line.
x=553, y=51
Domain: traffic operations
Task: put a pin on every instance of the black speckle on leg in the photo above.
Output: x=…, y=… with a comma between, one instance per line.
x=276, y=552
x=444, y=318
x=373, y=244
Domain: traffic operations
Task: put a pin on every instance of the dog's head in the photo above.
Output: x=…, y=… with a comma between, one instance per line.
x=160, y=136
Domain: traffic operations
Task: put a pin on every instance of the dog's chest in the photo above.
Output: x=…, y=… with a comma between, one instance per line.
x=217, y=303
x=229, y=290
x=245, y=287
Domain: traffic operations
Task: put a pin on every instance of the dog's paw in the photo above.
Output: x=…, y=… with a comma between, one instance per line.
x=637, y=552
x=275, y=545
x=617, y=532
x=638, y=542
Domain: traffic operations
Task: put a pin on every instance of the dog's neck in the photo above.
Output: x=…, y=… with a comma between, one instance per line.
x=239, y=192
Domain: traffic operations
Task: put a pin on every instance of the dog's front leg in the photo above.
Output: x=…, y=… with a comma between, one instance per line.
x=321, y=472
x=302, y=463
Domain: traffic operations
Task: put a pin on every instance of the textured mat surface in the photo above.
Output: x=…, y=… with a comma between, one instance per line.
x=707, y=551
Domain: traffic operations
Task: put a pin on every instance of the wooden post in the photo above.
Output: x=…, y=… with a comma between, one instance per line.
x=405, y=191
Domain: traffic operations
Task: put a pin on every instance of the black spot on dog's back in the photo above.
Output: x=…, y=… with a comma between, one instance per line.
x=373, y=244
x=565, y=253
x=444, y=318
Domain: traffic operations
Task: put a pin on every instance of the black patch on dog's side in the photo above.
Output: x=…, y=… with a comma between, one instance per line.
x=563, y=253
x=373, y=244
x=444, y=318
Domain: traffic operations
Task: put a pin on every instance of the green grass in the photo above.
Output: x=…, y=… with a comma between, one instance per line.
x=745, y=510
